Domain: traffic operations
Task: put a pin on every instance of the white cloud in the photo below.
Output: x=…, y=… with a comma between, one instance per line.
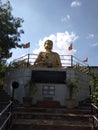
x=90, y=36
x=66, y=18
x=61, y=41
x=76, y=4
x=94, y=45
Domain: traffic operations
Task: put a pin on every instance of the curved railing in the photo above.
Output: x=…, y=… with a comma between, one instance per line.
x=8, y=112
x=66, y=61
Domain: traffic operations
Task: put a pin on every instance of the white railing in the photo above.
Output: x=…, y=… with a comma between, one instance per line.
x=66, y=60
x=9, y=115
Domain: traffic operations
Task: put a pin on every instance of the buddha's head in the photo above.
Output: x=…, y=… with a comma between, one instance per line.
x=48, y=45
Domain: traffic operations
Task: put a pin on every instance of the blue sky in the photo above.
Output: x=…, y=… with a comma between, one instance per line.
x=64, y=22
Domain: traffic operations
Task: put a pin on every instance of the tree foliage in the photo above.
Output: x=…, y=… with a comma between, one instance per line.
x=3, y=69
x=72, y=84
x=10, y=34
x=95, y=85
x=19, y=64
x=10, y=30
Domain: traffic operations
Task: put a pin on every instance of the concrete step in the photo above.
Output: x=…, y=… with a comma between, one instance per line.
x=80, y=110
x=52, y=116
x=34, y=118
x=24, y=124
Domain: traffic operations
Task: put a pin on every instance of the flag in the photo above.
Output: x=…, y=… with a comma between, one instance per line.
x=70, y=47
x=27, y=45
x=85, y=60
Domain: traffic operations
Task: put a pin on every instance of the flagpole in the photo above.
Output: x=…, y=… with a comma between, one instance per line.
x=28, y=56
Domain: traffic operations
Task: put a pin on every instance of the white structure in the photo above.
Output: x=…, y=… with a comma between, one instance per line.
x=53, y=88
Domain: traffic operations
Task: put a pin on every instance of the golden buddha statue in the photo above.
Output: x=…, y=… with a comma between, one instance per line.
x=48, y=58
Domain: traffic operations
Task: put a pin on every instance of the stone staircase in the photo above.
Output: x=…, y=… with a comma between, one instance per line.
x=34, y=118
x=38, y=118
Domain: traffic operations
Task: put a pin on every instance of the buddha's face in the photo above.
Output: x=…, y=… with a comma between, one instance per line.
x=48, y=45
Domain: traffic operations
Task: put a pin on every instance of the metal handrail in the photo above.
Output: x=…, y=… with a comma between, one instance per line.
x=6, y=108
x=6, y=120
x=95, y=118
x=94, y=106
x=94, y=114
x=9, y=115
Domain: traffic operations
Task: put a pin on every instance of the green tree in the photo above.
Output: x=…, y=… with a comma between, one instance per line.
x=20, y=63
x=3, y=69
x=95, y=85
x=10, y=34
x=10, y=31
